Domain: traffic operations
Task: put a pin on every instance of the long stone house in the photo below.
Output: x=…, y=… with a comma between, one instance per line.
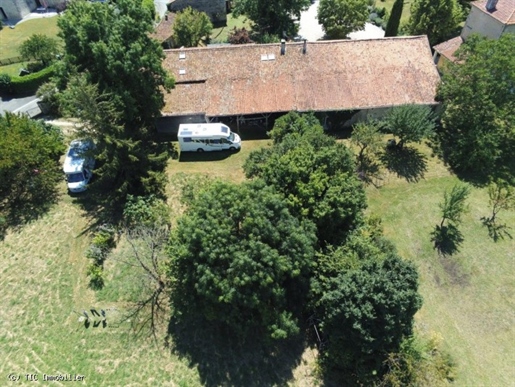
x=237, y=82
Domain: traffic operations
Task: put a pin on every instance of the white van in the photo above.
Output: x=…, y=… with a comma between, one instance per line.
x=200, y=137
x=78, y=165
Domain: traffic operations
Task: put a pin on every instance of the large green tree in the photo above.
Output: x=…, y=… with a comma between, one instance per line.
x=478, y=121
x=271, y=16
x=29, y=167
x=118, y=93
x=341, y=17
x=39, y=47
x=190, y=26
x=438, y=19
x=315, y=174
x=366, y=310
x=242, y=261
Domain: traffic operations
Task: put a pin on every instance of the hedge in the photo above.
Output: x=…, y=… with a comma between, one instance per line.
x=28, y=84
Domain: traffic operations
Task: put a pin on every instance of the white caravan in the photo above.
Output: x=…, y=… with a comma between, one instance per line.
x=200, y=137
x=78, y=165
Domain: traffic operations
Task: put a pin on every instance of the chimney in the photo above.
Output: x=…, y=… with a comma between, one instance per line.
x=490, y=5
x=305, y=47
x=283, y=46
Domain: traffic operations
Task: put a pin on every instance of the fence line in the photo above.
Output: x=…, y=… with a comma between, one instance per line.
x=14, y=59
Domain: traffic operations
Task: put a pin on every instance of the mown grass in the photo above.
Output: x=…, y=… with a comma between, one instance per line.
x=388, y=4
x=468, y=298
x=44, y=290
x=219, y=35
x=11, y=39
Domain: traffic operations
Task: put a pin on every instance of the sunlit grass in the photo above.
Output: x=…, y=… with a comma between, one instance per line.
x=12, y=38
x=468, y=298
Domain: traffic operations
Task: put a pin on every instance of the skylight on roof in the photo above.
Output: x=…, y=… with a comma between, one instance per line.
x=182, y=55
x=265, y=57
x=182, y=71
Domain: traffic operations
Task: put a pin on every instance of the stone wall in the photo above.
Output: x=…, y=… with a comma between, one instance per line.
x=215, y=9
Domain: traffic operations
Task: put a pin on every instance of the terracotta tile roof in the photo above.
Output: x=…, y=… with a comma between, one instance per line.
x=332, y=75
x=504, y=10
x=448, y=48
x=163, y=31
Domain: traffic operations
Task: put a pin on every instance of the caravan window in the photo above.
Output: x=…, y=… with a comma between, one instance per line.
x=186, y=139
x=225, y=129
x=215, y=141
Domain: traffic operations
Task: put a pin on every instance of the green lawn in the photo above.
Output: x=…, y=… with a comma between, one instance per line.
x=10, y=39
x=13, y=69
x=219, y=35
x=468, y=298
x=388, y=4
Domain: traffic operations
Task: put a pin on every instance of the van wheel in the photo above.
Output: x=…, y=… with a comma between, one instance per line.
x=200, y=150
x=232, y=149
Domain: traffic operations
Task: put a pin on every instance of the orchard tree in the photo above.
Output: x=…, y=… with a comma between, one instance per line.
x=411, y=123
x=242, y=261
x=502, y=197
x=438, y=19
x=190, y=27
x=392, y=27
x=271, y=17
x=39, y=47
x=112, y=69
x=446, y=236
x=478, y=121
x=341, y=17
x=368, y=138
x=315, y=174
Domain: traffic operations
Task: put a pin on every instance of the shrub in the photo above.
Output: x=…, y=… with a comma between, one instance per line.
x=96, y=276
x=5, y=83
x=96, y=254
x=104, y=240
x=239, y=36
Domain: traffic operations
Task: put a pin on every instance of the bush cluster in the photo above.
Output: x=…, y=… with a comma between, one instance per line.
x=103, y=242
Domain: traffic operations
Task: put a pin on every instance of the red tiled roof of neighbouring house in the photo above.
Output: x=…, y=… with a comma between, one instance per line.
x=164, y=31
x=449, y=47
x=504, y=10
x=332, y=75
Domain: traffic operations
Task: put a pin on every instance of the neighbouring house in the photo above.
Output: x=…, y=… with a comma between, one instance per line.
x=18, y=9
x=489, y=18
x=215, y=9
x=243, y=81
x=163, y=32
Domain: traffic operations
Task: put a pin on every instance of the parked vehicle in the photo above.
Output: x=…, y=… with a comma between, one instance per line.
x=78, y=164
x=200, y=137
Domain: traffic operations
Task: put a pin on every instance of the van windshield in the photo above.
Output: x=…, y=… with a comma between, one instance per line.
x=231, y=136
x=75, y=177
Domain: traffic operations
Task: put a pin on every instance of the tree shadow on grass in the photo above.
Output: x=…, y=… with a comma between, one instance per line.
x=222, y=360
x=406, y=162
x=25, y=207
